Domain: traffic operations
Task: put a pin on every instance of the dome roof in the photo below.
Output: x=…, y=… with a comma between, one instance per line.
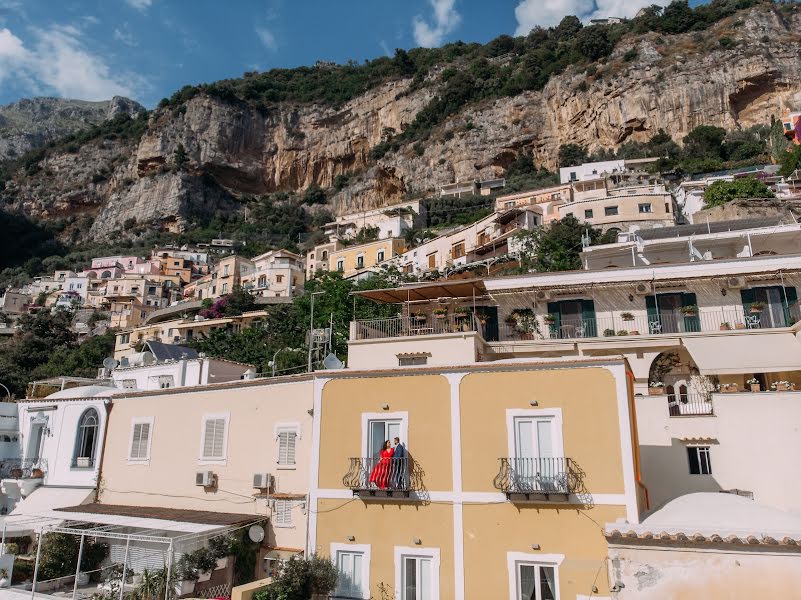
x=86, y=391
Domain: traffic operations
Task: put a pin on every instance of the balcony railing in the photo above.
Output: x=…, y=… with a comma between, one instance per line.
x=17, y=468
x=372, y=476
x=686, y=405
x=665, y=323
x=411, y=326
x=537, y=478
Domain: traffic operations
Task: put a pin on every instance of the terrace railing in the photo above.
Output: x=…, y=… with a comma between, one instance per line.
x=18, y=468
x=537, y=477
x=411, y=326
x=374, y=476
x=686, y=405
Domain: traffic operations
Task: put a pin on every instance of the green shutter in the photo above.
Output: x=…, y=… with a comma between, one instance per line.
x=555, y=309
x=690, y=323
x=588, y=318
x=748, y=297
x=791, y=305
x=650, y=307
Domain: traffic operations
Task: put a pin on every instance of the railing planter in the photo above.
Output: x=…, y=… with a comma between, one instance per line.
x=656, y=389
x=756, y=308
x=729, y=388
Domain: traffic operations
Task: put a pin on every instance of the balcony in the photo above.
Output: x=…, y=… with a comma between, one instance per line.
x=689, y=405
x=20, y=477
x=383, y=477
x=375, y=329
x=537, y=479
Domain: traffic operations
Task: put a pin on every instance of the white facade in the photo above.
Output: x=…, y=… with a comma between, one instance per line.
x=176, y=373
x=391, y=221
x=590, y=170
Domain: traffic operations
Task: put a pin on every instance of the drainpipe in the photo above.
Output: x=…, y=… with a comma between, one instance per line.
x=109, y=406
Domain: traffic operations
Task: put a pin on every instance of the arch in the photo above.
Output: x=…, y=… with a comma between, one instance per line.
x=91, y=274
x=86, y=439
x=105, y=275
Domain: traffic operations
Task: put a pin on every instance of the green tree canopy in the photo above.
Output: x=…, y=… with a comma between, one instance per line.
x=723, y=192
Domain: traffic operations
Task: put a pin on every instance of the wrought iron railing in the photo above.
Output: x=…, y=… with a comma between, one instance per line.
x=411, y=326
x=18, y=468
x=536, y=476
x=375, y=476
x=685, y=405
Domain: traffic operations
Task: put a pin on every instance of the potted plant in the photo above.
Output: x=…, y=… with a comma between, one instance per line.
x=440, y=313
x=689, y=311
x=754, y=384
x=525, y=323
x=609, y=332
x=656, y=388
x=622, y=332
x=627, y=316
x=725, y=326
x=729, y=388
x=4, y=580
x=461, y=312
x=756, y=307
x=549, y=319
x=634, y=332
x=739, y=325
x=37, y=474
x=16, y=473
x=782, y=386
x=420, y=316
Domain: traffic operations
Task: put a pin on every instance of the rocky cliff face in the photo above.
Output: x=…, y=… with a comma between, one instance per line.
x=32, y=123
x=675, y=83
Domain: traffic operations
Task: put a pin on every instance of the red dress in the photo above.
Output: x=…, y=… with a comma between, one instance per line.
x=380, y=472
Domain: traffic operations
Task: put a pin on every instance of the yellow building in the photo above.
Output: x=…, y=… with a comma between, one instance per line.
x=498, y=494
x=352, y=260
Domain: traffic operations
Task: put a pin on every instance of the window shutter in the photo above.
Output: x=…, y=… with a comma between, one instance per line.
x=286, y=447
x=650, y=307
x=555, y=309
x=140, y=440
x=748, y=298
x=791, y=305
x=691, y=323
x=213, y=438
x=588, y=318
x=283, y=512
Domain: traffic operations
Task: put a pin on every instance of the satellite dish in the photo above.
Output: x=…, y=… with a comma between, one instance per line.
x=332, y=362
x=256, y=533
x=110, y=364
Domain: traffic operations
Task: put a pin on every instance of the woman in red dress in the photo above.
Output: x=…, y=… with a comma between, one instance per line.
x=380, y=473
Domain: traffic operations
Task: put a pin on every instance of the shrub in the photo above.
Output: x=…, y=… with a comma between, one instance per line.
x=301, y=579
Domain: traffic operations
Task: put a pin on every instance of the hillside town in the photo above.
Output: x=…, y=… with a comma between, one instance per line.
x=603, y=419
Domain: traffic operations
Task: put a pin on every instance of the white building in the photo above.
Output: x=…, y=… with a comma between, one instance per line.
x=391, y=221
x=162, y=366
x=277, y=273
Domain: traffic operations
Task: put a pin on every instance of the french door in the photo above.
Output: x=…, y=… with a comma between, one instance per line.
x=534, y=460
x=417, y=578
x=380, y=432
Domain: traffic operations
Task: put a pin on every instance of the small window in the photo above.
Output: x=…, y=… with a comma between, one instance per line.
x=573, y=176
x=86, y=441
x=588, y=213
x=214, y=437
x=287, y=440
x=432, y=260
x=282, y=514
x=166, y=381
x=408, y=361
x=129, y=384
x=340, y=265
x=644, y=208
x=325, y=255
x=225, y=271
x=224, y=288
x=360, y=261
x=380, y=256
x=458, y=250
x=140, y=440
x=610, y=211
x=700, y=461
x=279, y=278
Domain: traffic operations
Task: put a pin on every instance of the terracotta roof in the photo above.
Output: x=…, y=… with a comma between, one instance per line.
x=167, y=514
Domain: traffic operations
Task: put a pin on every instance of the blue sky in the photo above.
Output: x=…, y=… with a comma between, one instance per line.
x=147, y=49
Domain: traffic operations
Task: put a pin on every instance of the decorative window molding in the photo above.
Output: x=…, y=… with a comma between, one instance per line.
x=403, y=417
x=515, y=559
x=555, y=414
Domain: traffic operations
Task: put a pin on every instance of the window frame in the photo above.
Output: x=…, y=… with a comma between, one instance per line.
x=554, y=414
x=282, y=524
x=608, y=211
x=402, y=416
x=79, y=440
x=364, y=550
x=697, y=449
x=140, y=460
x=278, y=429
x=205, y=460
x=402, y=552
x=516, y=559
x=648, y=205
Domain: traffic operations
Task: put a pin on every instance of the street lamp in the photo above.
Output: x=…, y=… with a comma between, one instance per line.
x=8, y=392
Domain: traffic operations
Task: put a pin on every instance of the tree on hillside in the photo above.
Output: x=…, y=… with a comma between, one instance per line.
x=179, y=157
x=571, y=155
x=723, y=192
x=791, y=161
x=593, y=42
x=705, y=141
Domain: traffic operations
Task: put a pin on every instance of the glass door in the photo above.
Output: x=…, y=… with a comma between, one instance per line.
x=533, y=452
x=417, y=578
x=349, y=582
x=773, y=314
x=380, y=432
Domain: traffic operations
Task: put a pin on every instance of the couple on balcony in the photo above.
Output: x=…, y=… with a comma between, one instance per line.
x=390, y=466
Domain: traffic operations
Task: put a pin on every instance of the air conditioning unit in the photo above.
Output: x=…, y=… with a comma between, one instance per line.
x=542, y=296
x=735, y=283
x=204, y=478
x=643, y=289
x=262, y=481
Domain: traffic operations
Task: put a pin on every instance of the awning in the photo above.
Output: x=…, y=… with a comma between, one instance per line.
x=457, y=288
x=36, y=511
x=155, y=518
x=749, y=353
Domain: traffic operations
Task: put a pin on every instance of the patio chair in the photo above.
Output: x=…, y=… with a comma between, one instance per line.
x=580, y=331
x=654, y=327
x=753, y=321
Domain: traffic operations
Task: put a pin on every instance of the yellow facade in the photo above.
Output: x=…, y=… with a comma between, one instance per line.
x=351, y=260
x=457, y=425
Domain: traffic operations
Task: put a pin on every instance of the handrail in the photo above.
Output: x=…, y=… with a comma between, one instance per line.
x=376, y=473
x=544, y=476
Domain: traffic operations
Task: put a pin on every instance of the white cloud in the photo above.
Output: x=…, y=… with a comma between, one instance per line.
x=267, y=38
x=59, y=63
x=446, y=19
x=124, y=36
x=530, y=13
x=142, y=5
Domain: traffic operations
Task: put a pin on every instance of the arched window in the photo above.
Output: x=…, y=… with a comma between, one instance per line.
x=683, y=396
x=86, y=440
x=105, y=275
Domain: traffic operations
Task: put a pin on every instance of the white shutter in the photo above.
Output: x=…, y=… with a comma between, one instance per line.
x=214, y=438
x=283, y=513
x=140, y=441
x=286, y=447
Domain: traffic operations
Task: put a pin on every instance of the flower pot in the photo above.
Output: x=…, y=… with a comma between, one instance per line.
x=440, y=316
x=37, y=474
x=4, y=582
x=724, y=328
x=634, y=332
x=656, y=391
x=755, y=387
x=740, y=326
x=16, y=473
x=733, y=388
x=782, y=387
x=755, y=311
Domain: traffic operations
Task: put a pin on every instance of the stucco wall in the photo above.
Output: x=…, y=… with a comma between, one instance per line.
x=754, y=445
x=169, y=478
x=445, y=349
